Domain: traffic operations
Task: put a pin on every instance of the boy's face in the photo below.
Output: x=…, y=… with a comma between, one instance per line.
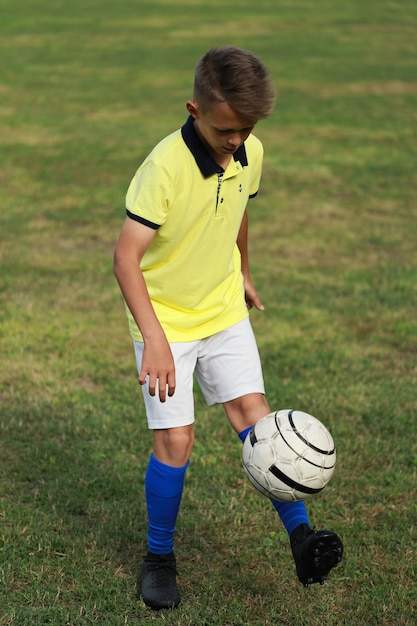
x=221, y=129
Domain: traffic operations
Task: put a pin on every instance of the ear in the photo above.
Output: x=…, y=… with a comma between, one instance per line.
x=192, y=108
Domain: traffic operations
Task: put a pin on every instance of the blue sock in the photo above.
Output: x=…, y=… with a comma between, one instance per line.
x=163, y=489
x=245, y=433
x=292, y=514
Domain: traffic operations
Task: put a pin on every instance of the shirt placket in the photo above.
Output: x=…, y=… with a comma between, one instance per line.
x=234, y=168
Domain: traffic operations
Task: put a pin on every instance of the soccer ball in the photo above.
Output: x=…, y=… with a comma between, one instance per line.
x=289, y=455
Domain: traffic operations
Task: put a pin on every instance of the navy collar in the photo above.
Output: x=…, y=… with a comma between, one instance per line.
x=205, y=162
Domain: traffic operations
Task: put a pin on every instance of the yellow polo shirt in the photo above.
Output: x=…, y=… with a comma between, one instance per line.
x=192, y=267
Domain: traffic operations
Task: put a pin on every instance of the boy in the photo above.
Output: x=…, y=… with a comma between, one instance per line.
x=182, y=265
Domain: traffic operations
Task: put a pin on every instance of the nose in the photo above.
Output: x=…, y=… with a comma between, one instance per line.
x=235, y=139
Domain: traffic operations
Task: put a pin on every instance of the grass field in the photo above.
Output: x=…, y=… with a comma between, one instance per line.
x=86, y=89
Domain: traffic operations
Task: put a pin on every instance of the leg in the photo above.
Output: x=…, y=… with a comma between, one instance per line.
x=315, y=552
x=230, y=373
x=164, y=483
x=243, y=413
x=173, y=446
x=173, y=438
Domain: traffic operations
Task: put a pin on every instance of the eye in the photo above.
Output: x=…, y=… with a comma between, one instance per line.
x=231, y=131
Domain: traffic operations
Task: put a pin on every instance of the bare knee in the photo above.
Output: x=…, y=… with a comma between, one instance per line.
x=246, y=410
x=173, y=446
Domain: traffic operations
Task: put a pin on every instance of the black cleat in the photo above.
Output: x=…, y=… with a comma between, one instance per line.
x=315, y=553
x=158, y=581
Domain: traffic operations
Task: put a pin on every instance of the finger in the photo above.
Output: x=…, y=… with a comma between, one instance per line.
x=162, y=391
x=152, y=380
x=171, y=384
x=257, y=303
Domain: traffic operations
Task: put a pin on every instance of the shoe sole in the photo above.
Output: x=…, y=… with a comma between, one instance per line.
x=328, y=554
x=160, y=607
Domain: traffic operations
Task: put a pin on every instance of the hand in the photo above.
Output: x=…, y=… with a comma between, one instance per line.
x=251, y=296
x=158, y=368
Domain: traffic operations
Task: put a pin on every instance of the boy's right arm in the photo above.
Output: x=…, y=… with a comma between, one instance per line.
x=157, y=363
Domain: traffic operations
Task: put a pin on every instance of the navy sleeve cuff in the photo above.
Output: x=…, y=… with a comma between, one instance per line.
x=142, y=220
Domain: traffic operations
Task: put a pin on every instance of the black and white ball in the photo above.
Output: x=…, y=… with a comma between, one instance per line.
x=289, y=456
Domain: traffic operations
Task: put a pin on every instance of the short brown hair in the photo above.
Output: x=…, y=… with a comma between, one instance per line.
x=236, y=76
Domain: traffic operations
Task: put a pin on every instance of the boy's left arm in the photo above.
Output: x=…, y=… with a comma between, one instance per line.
x=251, y=296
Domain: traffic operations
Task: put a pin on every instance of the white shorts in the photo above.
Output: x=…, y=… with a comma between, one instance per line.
x=227, y=366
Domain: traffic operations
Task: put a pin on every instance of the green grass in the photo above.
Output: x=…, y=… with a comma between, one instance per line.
x=86, y=89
